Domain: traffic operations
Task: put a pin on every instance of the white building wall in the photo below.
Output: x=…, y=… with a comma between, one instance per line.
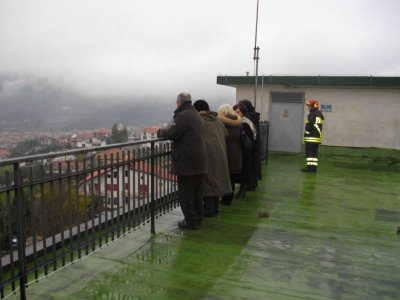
x=121, y=181
x=360, y=117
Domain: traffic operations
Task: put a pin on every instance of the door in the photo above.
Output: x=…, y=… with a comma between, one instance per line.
x=286, y=121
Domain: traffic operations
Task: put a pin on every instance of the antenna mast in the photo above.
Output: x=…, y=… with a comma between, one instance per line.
x=256, y=58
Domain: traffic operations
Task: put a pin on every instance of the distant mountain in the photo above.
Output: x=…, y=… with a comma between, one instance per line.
x=28, y=104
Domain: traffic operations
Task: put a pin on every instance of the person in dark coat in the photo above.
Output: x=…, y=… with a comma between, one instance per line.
x=248, y=178
x=233, y=125
x=255, y=118
x=216, y=182
x=188, y=159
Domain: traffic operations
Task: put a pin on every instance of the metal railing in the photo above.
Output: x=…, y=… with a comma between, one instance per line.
x=58, y=207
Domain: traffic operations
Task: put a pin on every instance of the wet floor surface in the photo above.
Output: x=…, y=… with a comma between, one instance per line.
x=330, y=235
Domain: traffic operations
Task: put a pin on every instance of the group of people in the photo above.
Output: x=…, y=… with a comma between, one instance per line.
x=211, y=153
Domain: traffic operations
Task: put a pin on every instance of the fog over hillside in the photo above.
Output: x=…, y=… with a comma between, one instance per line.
x=32, y=104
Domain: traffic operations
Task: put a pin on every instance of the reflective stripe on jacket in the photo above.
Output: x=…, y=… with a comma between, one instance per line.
x=313, y=128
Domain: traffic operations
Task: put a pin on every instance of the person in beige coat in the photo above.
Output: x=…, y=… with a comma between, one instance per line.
x=216, y=182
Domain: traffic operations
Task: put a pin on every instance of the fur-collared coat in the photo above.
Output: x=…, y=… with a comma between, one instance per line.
x=188, y=144
x=233, y=125
x=217, y=181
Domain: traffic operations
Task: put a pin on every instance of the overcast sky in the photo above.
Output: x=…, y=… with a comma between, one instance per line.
x=162, y=47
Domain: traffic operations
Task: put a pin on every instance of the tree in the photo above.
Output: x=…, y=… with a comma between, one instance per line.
x=118, y=135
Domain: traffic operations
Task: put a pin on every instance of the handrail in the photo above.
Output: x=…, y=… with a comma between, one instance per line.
x=29, y=158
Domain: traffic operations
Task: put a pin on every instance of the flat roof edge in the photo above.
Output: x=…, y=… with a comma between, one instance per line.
x=371, y=81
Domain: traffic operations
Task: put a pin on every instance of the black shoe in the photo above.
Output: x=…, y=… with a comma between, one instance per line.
x=309, y=170
x=208, y=215
x=186, y=225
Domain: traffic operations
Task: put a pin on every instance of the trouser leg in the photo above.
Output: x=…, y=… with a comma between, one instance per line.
x=208, y=208
x=312, y=156
x=315, y=156
x=216, y=205
x=190, y=196
x=227, y=199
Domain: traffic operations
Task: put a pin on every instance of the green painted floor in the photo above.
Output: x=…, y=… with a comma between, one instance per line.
x=330, y=235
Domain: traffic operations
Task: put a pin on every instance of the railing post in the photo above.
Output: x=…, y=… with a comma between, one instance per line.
x=20, y=232
x=152, y=204
x=267, y=137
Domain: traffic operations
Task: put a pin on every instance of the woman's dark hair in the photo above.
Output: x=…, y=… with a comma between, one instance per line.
x=242, y=108
x=248, y=104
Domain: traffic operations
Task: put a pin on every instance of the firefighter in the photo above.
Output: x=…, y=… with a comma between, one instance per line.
x=313, y=135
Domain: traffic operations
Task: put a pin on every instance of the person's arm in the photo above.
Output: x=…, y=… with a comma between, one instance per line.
x=311, y=122
x=174, y=132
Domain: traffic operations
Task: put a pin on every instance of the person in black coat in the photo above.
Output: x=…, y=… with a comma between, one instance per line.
x=233, y=125
x=188, y=159
x=255, y=118
x=248, y=176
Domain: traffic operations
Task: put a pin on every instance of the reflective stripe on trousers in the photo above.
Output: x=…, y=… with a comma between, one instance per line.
x=312, y=161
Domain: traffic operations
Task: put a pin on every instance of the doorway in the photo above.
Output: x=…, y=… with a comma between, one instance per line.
x=286, y=121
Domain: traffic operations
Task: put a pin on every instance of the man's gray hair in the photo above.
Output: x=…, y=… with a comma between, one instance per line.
x=184, y=97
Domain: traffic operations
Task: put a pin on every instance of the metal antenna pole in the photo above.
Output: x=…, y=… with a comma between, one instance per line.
x=256, y=58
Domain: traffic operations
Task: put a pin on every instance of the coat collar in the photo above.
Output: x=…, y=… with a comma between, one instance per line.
x=230, y=120
x=183, y=106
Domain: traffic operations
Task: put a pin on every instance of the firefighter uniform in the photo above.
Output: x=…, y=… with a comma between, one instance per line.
x=313, y=135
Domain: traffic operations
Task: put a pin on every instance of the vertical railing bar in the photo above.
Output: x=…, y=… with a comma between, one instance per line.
x=85, y=213
x=164, y=175
x=61, y=205
x=123, y=192
x=71, y=246
x=118, y=195
x=33, y=208
x=112, y=197
x=100, y=204
x=106, y=197
x=134, y=187
x=78, y=205
x=20, y=232
x=10, y=233
x=52, y=218
x=146, y=202
x=170, y=182
x=44, y=220
x=152, y=204
x=92, y=199
x=129, y=190
x=156, y=179
x=141, y=197
x=138, y=203
x=148, y=181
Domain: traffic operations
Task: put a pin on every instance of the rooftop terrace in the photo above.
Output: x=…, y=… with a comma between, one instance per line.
x=330, y=235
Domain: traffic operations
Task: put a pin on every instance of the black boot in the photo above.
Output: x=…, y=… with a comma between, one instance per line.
x=309, y=169
x=227, y=199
